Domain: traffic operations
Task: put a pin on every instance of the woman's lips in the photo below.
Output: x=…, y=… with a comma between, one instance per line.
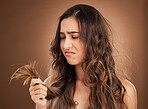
x=68, y=53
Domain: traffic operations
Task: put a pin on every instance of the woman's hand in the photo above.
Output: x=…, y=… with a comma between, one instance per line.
x=38, y=92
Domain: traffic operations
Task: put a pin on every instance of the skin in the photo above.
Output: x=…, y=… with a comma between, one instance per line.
x=74, y=52
x=38, y=93
x=70, y=43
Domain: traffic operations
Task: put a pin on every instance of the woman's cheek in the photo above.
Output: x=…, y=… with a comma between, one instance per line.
x=61, y=45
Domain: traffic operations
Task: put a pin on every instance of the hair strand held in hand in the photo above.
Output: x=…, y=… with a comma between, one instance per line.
x=27, y=71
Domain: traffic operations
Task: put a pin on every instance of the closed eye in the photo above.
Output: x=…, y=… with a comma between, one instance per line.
x=75, y=37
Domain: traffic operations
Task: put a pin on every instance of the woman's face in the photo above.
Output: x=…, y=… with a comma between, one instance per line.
x=70, y=43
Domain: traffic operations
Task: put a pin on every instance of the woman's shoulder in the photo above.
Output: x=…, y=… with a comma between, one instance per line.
x=129, y=86
x=130, y=96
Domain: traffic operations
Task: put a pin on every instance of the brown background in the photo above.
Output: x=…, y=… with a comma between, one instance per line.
x=27, y=26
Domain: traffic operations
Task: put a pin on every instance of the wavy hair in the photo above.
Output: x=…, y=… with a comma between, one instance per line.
x=107, y=91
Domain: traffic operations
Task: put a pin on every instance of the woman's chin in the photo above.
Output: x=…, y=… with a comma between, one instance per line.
x=73, y=63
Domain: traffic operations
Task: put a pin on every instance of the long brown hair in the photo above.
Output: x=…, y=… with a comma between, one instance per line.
x=107, y=91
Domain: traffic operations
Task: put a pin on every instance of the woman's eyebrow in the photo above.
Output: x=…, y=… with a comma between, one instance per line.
x=71, y=32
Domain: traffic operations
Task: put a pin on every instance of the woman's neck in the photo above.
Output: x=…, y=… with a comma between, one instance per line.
x=79, y=72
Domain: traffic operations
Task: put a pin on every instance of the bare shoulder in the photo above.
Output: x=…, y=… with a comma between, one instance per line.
x=130, y=88
x=130, y=97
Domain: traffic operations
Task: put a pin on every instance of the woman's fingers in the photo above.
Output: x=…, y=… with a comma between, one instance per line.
x=36, y=82
x=38, y=98
x=38, y=92
x=39, y=86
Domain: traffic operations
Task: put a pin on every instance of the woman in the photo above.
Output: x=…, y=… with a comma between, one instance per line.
x=83, y=67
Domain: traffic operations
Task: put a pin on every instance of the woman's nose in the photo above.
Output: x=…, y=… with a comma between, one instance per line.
x=67, y=43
